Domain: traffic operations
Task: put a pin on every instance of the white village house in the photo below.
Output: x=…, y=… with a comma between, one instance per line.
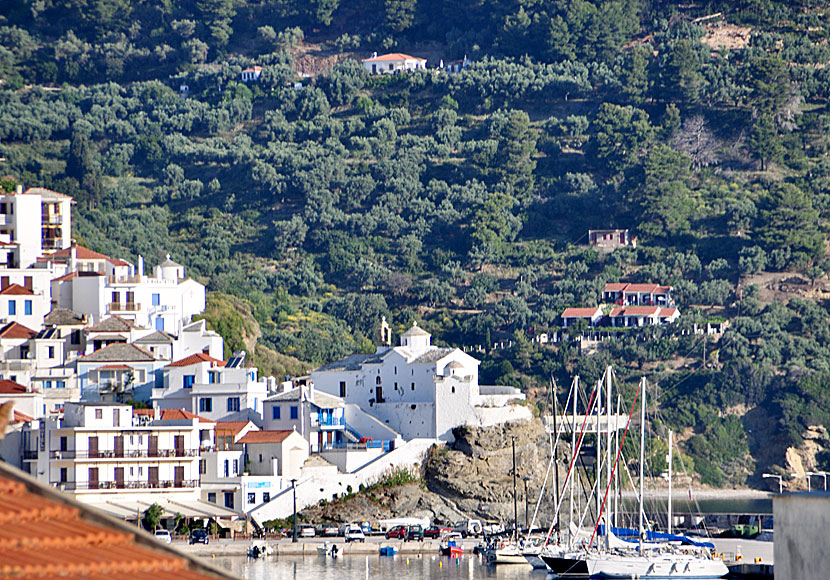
x=395, y=62
x=417, y=389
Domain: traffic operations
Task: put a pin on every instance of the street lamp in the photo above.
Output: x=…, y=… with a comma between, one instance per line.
x=294, y=490
x=778, y=477
x=823, y=474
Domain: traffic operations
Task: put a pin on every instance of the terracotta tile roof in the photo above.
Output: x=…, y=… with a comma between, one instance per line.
x=616, y=311
x=615, y=286
x=66, y=277
x=44, y=534
x=144, y=413
x=253, y=69
x=230, y=427
x=639, y=311
x=119, y=262
x=21, y=418
x=16, y=330
x=46, y=192
x=179, y=414
x=642, y=288
x=265, y=436
x=195, y=359
x=8, y=387
x=581, y=312
x=16, y=290
x=393, y=56
x=114, y=368
x=667, y=311
x=81, y=253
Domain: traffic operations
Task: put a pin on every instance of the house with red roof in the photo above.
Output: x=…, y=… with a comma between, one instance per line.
x=628, y=294
x=636, y=316
x=591, y=315
x=23, y=305
x=215, y=389
x=251, y=74
x=392, y=63
x=26, y=400
x=610, y=240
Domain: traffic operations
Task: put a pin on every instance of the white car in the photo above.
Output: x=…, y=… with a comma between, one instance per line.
x=163, y=536
x=307, y=532
x=355, y=534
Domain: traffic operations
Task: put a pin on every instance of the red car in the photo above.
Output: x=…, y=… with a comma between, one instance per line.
x=436, y=531
x=398, y=532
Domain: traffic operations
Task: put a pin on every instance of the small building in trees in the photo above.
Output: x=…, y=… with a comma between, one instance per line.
x=573, y=315
x=642, y=316
x=392, y=63
x=251, y=74
x=611, y=239
x=628, y=294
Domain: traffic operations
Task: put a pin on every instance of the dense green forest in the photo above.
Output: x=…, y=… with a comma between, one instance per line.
x=320, y=198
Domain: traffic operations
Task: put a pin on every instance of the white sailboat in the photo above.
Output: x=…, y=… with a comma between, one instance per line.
x=619, y=559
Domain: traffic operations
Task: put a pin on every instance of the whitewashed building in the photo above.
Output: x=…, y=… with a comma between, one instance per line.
x=319, y=417
x=32, y=223
x=417, y=389
x=392, y=63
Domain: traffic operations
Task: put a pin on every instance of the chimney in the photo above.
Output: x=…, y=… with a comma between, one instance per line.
x=140, y=265
x=19, y=189
x=374, y=55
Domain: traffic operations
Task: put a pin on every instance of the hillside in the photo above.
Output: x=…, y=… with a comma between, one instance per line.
x=320, y=198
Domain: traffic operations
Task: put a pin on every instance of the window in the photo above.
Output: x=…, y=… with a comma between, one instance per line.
x=229, y=499
x=213, y=377
x=156, y=299
x=47, y=384
x=187, y=381
x=76, y=337
x=396, y=370
x=159, y=323
x=50, y=352
x=413, y=386
x=12, y=308
x=266, y=497
x=202, y=466
x=260, y=457
x=227, y=470
x=233, y=404
x=275, y=412
x=212, y=496
x=295, y=412
x=27, y=307
x=63, y=474
x=61, y=384
x=99, y=413
x=453, y=389
x=377, y=380
x=205, y=405
x=235, y=466
x=251, y=498
x=132, y=471
x=342, y=388
x=396, y=386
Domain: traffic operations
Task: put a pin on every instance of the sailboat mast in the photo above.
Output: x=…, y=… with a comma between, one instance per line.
x=670, y=462
x=598, y=464
x=571, y=471
x=617, y=473
x=608, y=451
x=515, y=509
x=642, y=456
x=553, y=457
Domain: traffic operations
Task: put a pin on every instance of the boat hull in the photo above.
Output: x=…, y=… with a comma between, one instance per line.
x=622, y=566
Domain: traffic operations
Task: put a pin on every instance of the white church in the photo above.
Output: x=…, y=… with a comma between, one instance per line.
x=417, y=389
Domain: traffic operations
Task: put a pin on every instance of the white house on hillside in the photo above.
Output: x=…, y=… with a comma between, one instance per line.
x=387, y=64
x=36, y=221
x=417, y=389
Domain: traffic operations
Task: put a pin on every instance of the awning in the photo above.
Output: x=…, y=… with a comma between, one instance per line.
x=189, y=508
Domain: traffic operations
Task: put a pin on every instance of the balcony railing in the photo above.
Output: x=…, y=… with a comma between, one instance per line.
x=52, y=243
x=29, y=454
x=123, y=307
x=51, y=220
x=161, y=484
x=332, y=421
x=126, y=454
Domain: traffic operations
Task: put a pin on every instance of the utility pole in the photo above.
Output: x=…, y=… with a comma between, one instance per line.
x=294, y=491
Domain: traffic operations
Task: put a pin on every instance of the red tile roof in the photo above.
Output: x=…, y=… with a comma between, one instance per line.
x=393, y=56
x=44, y=534
x=144, y=412
x=114, y=368
x=581, y=312
x=639, y=311
x=16, y=290
x=16, y=330
x=81, y=253
x=667, y=312
x=230, y=427
x=265, y=436
x=615, y=286
x=195, y=359
x=642, y=288
x=179, y=414
x=21, y=418
x=8, y=387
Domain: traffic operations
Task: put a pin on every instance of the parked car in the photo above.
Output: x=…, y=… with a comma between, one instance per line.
x=397, y=532
x=199, y=536
x=327, y=530
x=163, y=536
x=415, y=532
x=307, y=532
x=342, y=529
x=468, y=528
x=436, y=531
x=355, y=534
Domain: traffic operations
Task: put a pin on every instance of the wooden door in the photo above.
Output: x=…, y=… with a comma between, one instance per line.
x=178, y=476
x=119, y=446
x=93, y=478
x=93, y=447
x=153, y=476
x=178, y=440
x=153, y=446
x=119, y=477
x=379, y=394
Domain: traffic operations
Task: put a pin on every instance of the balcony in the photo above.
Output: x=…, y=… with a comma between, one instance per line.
x=52, y=243
x=29, y=454
x=161, y=484
x=114, y=307
x=126, y=454
x=330, y=422
x=51, y=220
